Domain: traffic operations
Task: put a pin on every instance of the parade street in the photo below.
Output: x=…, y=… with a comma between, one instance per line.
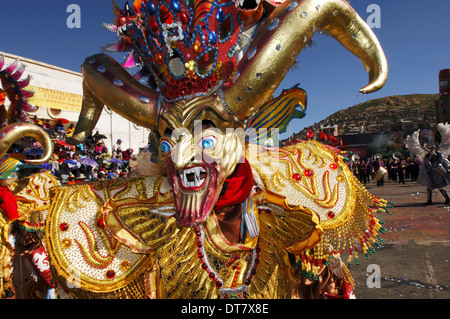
x=415, y=258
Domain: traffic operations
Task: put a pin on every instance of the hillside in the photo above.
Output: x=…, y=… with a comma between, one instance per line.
x=380, y=115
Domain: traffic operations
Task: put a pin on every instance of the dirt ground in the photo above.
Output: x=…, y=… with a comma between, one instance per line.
x=414, y=262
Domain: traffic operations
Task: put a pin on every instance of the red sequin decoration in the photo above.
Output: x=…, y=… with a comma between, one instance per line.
x=63, y=227
x=101, y=223
x=309, y=173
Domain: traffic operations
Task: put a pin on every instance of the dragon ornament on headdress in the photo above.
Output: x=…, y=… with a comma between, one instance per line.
x=229, y=216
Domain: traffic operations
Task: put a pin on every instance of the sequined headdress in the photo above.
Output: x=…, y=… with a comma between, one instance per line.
x=182, y=50
x=185, y=49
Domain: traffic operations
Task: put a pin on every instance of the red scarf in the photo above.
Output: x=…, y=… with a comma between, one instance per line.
x=8, y=203
x=239, y=186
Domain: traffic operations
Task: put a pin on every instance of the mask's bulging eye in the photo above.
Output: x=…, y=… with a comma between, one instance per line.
x=208, y=142
x=166, y=146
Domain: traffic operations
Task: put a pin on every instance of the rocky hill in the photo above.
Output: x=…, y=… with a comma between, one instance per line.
x=387, y=114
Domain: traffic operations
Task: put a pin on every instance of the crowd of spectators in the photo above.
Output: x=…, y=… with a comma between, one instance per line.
x=397, y=169
x=88, y=161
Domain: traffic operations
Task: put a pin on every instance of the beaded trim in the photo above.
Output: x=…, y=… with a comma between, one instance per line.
x=212, y=273
x=165, y=211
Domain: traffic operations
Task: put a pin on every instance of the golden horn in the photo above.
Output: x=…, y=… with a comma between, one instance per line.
x=106, y=82
x=282, y=37
x=13, y=132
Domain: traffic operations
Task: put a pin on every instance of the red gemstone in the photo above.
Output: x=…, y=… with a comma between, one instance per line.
x=211, y=275
x=309, y=173
x=153, y=25
x=218, y=284
x=330, y=214
x=111, y=274
x=101, y=223
x=333, y=166
x=184, y=17
x=63, y=227
x=297, y=177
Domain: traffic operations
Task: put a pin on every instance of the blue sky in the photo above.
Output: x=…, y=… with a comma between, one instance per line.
x=415, y=36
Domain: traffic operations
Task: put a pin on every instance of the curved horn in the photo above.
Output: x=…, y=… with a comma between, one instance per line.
x=13, y=132
x=282, y=37
x=106, y=82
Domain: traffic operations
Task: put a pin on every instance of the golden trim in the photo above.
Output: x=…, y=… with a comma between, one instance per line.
x=291, y=160
x=63, y=269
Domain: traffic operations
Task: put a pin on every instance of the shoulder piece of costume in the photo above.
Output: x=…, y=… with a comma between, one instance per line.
x=308, y=174
x=90, y=261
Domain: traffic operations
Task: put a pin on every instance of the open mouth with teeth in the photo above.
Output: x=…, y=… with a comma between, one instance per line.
x=195, y=191
x=192, y=178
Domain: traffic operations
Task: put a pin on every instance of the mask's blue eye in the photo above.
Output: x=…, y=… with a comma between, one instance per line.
x=165, y=147
x=208, y=142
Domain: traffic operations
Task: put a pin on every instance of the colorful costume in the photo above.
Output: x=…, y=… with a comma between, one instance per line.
x=23, y=202
x=434, y=172
x=231, y=215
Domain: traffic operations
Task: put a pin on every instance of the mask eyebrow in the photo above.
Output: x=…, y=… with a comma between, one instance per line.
x=202, y=112
x=169, y=129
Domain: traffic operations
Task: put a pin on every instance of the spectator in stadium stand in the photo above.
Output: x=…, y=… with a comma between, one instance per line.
x=60, y=130
x=70, y=130
x=126, y=155
x=101, y=176
x=71, y=180
x=54, y=162
x=105, y=155
x=117, y=145
x=64, y=173
x=46, y=125
x=98, y=147
x=49, y=129
x=117, y=153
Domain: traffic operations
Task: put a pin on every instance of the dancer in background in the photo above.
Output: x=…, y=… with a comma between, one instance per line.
x=435, y=170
